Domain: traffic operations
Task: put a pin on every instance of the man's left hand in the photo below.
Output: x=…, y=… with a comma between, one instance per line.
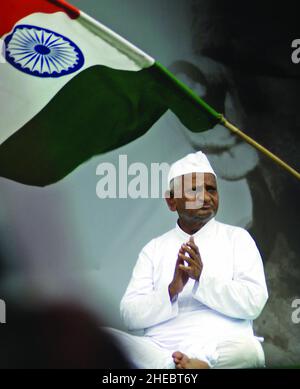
x=194, y=261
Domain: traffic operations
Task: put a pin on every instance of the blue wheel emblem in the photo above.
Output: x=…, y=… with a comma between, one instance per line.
x=41, y=52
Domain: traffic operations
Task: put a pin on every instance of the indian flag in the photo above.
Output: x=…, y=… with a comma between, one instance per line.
x=71, y=88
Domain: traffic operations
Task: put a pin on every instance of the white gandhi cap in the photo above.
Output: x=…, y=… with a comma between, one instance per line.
x=191, y=163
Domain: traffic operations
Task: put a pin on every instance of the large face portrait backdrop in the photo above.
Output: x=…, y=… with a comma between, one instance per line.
x=249, y=46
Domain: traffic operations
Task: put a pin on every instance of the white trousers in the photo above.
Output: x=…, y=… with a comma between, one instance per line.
x=238, y=352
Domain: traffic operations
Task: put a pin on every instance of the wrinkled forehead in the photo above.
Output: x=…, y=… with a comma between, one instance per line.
x=190, y=180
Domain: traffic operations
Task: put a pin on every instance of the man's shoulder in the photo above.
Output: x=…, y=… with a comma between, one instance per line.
x=231, y=230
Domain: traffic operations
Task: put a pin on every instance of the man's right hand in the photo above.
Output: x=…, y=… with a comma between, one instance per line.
x=180, y=278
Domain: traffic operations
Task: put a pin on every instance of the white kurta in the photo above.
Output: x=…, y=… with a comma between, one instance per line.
x=231, y=291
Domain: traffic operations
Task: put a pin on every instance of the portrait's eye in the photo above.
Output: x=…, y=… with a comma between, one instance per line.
x=211, y=89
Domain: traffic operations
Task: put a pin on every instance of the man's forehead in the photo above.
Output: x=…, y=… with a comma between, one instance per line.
x=202, y=177
x=196, y=178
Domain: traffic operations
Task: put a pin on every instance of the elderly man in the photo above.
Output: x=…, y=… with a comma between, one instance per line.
x=196, y=289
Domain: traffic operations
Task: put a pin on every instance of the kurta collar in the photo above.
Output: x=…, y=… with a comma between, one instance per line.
x=207, y=228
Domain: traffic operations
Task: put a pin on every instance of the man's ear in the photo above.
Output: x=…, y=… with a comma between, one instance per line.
x=170, y=201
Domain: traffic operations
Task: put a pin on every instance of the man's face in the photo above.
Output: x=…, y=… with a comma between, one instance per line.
x=198, y=199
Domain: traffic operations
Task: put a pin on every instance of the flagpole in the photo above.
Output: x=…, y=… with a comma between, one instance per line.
x=259, y=147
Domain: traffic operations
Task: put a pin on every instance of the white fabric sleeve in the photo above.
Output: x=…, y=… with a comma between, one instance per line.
x=144, y=303
x=246, y=294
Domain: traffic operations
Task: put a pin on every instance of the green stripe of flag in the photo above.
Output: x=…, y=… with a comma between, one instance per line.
x=99, y=110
